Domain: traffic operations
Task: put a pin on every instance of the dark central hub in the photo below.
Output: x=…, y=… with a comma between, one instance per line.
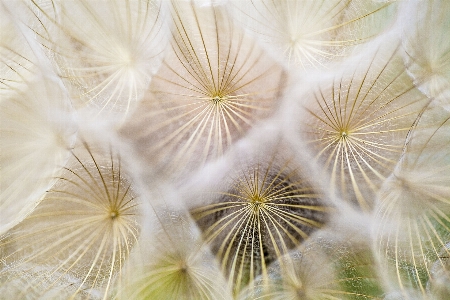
x=217, y=99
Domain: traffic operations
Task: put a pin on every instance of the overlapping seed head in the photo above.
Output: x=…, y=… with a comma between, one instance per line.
x=205, y=149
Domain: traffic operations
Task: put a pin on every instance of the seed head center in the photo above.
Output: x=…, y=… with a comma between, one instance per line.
x=257, y=207
x=217, y=100
x=257, y=203
x=183, y=268
x=257, y=199
x=343, y=134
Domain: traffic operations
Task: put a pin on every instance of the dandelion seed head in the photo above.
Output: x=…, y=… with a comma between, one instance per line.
x=265, y=210
x=174, y=265
x=85, y=225
x=412, y=225
x=37, y=131
x=265, y=149
x=426, y=48
x=310, y=34
x=320, y=268
x=357, y=123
